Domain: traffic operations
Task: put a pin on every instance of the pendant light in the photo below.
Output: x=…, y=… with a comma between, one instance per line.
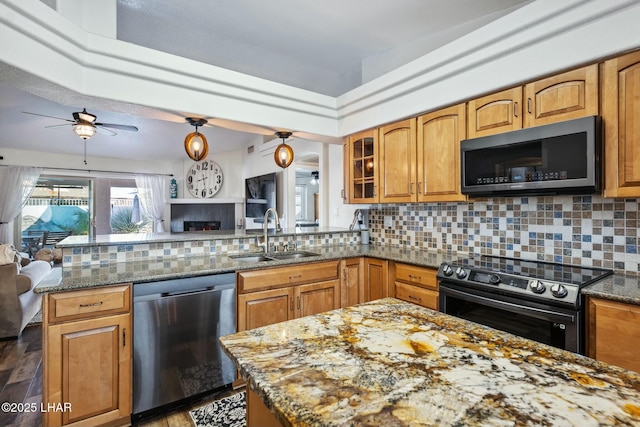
x=195, y=144
x=284, y=153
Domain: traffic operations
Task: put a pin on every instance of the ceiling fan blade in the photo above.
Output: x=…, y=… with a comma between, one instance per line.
x=51, y=117
x=58, y=126
x=116, y=126
x=105, y=131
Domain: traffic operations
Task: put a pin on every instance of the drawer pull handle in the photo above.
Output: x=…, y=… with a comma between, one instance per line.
x=95, y=304
x=411, y=297
x=416, y=278
x=124, y=337
x=295, y=277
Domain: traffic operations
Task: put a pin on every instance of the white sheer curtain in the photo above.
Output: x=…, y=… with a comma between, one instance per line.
x=151, y=190
x=17, y=184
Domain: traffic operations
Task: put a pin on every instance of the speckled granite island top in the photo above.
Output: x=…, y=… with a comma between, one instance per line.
x=391, y=363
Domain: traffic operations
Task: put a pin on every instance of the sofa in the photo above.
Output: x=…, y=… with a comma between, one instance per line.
x=18, y=303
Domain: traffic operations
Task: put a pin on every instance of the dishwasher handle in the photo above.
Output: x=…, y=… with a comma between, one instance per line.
x=189, y=292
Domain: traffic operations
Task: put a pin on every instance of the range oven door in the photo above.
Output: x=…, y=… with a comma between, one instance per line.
x=551, y=325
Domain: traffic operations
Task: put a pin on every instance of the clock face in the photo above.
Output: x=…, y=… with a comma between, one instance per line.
x=204, y=179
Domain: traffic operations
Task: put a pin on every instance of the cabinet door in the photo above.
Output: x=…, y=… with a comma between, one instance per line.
x=376, y=279
x=362, y=167
x=613, y=333
x=565, y=96
x=621, y=114
x=317, y=298
x=88, y=365
x=352, y=282
x=263, y=308
x=417, y=295
x=398, y=162
x=439, y=136
x=495, y=113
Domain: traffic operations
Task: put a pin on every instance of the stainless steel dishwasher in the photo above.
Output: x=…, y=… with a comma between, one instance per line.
x=176, y=326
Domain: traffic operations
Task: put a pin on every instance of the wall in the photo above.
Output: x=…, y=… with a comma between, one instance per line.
x=579, y=230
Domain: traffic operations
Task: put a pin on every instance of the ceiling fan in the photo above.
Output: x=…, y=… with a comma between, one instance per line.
x=85, y=126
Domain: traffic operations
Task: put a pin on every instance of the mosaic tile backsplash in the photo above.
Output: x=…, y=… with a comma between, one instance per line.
x=579, y=230
x=104, y=255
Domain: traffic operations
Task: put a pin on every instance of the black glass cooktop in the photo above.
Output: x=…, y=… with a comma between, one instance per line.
x=576, y=275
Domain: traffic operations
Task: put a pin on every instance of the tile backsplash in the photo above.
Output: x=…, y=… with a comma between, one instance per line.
x=579, y=230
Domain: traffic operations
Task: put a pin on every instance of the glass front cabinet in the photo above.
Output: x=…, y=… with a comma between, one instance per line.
x=361, y=173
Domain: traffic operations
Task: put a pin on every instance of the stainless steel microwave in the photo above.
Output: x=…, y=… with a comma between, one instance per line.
x=560, y=158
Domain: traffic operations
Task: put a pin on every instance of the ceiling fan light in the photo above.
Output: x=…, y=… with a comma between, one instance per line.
x=283, y=155
x=84, y=130
x=196, y=146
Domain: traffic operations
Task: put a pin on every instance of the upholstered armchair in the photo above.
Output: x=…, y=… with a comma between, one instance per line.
x=18, y=302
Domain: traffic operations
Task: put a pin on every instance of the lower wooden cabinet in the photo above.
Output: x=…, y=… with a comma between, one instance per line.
x=277, y=294
x=613, y=332
x=376, y=278
x=352, y=284
x=87, y=357
x=416, y=284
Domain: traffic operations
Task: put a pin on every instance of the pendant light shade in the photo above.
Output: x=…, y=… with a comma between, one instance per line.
x=84, y=130
x=195, y=144
x=284, y=153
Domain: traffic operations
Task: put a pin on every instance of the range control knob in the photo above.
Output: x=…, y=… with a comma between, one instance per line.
x=558, y=290
x=447, y=270
x=460, y=273
x=538, y=287
x=494, y=279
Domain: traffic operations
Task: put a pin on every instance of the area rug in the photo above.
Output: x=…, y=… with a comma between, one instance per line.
x=226, y=412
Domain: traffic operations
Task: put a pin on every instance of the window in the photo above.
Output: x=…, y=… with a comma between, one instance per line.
x=301, y=201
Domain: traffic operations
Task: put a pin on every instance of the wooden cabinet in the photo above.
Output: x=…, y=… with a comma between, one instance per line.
x=361, y=167
x=564, y=96
x=621, y=119
x=613, y=332
x=87, y=356
x=352, y=289
x=416, y=284
x=376, y=278
x=438, y=154
x=277, y=294
x=495, y=113
x=398, y=162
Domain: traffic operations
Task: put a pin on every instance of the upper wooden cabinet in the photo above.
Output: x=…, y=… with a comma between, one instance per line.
x=438, y=149
x=361, y=167
x=397, y=162
x=495, y=113
x=565, y=96
x=621, y=118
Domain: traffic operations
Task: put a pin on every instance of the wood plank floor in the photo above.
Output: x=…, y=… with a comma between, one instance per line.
x=21, y=382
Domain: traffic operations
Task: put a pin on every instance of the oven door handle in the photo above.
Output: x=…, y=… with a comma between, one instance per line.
x=537, y=313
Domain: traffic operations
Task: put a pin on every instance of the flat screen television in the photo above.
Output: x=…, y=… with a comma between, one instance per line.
x=260, y=194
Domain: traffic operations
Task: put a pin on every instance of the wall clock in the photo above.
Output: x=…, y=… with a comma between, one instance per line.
x=204, y=179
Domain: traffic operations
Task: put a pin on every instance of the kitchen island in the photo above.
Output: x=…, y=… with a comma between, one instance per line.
x=391, y=363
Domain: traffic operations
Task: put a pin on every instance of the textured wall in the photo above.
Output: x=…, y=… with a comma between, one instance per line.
x=580, y=230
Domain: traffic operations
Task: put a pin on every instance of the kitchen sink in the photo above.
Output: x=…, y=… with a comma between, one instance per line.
x=250, y=258
x=291, y=255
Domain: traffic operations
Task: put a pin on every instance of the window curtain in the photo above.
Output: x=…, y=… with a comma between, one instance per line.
x=151, y=191
x=17, y=183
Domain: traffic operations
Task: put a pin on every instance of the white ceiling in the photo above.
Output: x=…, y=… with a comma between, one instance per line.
x=328, y=46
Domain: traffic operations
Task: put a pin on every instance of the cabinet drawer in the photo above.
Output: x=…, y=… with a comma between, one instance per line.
x=417, y=275
x=417, y=295
x=74, y=305
x=284, y=276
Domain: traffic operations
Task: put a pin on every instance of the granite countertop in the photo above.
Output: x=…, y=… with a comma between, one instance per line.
x=391, y=363
x=619, y=287
x=164, y=268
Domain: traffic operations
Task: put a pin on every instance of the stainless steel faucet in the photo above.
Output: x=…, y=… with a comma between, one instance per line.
x=266, y=227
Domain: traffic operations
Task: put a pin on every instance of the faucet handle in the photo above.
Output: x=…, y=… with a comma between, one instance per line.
x=292, y=245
